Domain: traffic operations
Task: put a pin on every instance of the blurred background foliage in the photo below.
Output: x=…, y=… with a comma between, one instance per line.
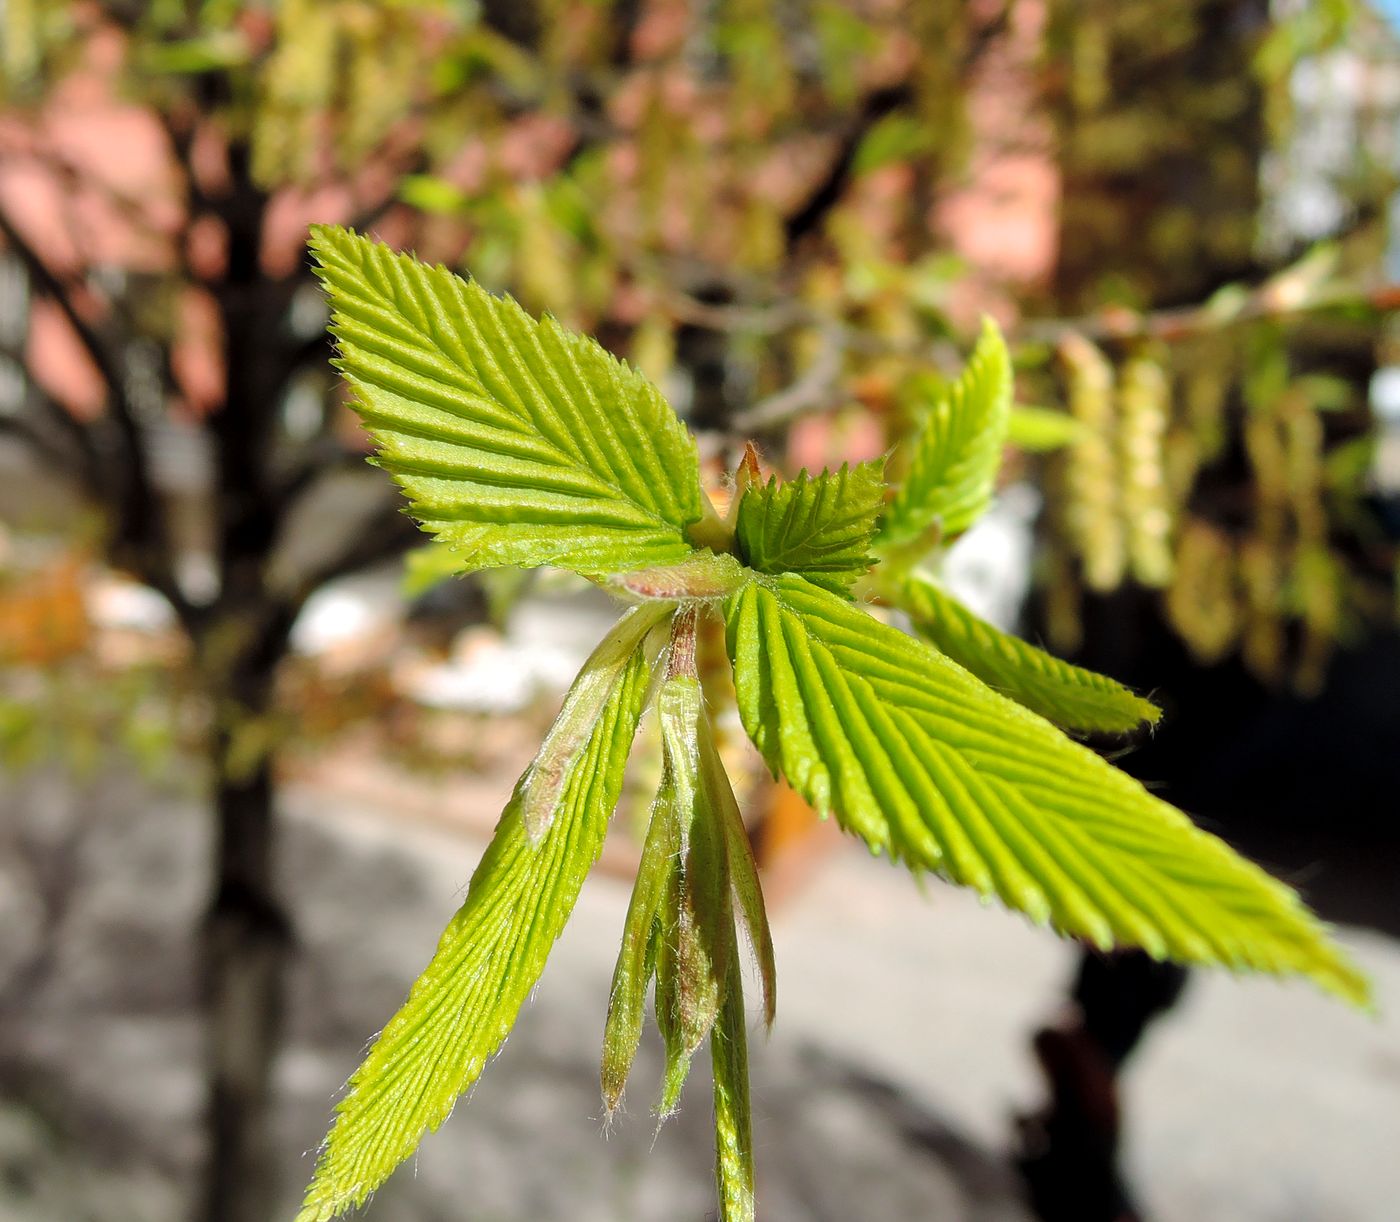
x=789, y=214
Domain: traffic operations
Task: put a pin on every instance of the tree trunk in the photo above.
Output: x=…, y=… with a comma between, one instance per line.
x=246, y=939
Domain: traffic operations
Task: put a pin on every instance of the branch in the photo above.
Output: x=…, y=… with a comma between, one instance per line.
x=47, y=282
x=827, y=193
x=140, y=538
x=52, y=455
x=1276, y=298
x=815, y=389
x=383, y=536
x=323, y=457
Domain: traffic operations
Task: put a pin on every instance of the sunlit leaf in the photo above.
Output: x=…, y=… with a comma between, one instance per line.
x=924, y=762
x=697, y=948
x=820, y=527
x=516, y=441
x=954, y=458
x=488, y=960
x=1070, y=696
x=729, y=1059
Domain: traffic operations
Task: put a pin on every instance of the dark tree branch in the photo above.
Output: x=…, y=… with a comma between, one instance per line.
x=828, y=192
x=48, y=284
x=385, y=535
x=323, y=458
x=52, y=453
x=139, y=540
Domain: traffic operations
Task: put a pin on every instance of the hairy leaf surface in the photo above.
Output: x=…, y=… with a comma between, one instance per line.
x=820, y=527
x=516, y=441
x=1070, y=696
x=729, y=1061
x=488, y=960
x=699, y=941
x=953, y=464
x=743, y=869
x=541, y=789
x=636, y=960
x=925, y=762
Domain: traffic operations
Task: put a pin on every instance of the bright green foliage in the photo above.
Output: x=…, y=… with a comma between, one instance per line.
x=487, y=962
x=519, y=444
x=636, y=962
x=516, y=441
x=729, y=1059
x=743, y=869
x=818, y=527
x=924, y=762
x=1070, y=696
x=953, y=464
x=541, y=789
x=701, y=575
x=697, y=946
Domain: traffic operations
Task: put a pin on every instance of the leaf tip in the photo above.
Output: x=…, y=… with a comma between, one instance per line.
x=316, y=1212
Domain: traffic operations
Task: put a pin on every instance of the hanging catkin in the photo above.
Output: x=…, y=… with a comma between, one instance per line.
x=1093, y=514
x=1143, y=405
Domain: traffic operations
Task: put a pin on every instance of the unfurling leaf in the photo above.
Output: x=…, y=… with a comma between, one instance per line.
x=488, y=960
x=729, y=1060
x=819, y=527
x=541, y=789
x=519, y=444
x=923, y=761
x=516, y=441
x=697, y=921
x=954, y=458
x=636, y=960
x=1070, y=696
x=743, y=869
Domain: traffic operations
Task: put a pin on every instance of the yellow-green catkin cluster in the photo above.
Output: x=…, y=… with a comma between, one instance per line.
x=1143, y=414
x=1093, y=510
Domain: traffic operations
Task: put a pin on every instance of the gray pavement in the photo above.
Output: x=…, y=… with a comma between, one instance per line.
x=885, y=1092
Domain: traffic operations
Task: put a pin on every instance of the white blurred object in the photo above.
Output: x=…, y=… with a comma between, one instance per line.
x=336, y=616
x=114, y=602
x=989, y=568
x=491, y=674
x=546, y=642
x=1385, y=407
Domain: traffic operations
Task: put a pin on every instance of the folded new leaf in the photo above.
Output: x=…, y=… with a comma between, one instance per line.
x=954, y=457
x=488, y=960
x=925, y=762
x=516, y=441
x=1070, y=696
x=820, y=527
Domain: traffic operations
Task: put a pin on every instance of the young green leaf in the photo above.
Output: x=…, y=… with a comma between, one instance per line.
x=516, y=441
x=635, y=962
x=818, y=527
x=1068, y=695
x=743, y=869
x=488, y=960
x=922, y=760
x=700, y=935
x=953, y=464
x=541, y=789
x=729, y=1060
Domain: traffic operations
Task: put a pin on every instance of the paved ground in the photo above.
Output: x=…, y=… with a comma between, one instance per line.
x=884, y=1094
